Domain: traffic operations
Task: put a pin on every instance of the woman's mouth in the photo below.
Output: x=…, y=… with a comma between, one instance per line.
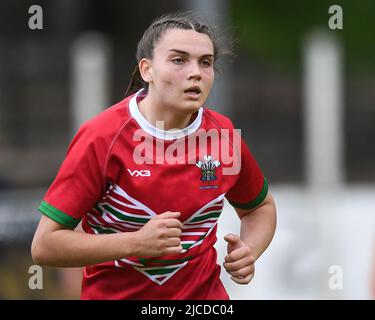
x=193, y=92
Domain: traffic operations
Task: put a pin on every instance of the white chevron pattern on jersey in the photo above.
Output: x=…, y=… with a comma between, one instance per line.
x=121, y=213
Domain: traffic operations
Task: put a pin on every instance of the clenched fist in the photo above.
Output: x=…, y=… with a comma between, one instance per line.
x=239, y=262
x=160, y=235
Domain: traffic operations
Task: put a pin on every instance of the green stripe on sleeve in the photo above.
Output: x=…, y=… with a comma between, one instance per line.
x=257, y=201
x=57, y=215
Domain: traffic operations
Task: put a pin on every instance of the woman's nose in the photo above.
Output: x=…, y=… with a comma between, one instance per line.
x=194, y=71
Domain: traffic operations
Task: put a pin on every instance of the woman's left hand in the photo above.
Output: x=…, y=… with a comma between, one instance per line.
x=239, y=261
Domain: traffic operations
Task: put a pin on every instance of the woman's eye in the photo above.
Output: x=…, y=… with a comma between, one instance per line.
x=178, y=61
x=206, y=63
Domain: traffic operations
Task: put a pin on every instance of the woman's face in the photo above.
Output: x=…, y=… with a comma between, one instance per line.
x=181, y=71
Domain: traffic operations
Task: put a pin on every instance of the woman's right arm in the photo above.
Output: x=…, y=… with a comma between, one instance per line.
x=55, y=245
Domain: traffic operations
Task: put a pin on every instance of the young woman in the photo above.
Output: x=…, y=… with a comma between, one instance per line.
x=148, y=198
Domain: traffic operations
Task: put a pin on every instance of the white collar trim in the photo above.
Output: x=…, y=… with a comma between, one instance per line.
x=159, y=133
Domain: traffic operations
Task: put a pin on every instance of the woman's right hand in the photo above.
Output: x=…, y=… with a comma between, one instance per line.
x=160, y=235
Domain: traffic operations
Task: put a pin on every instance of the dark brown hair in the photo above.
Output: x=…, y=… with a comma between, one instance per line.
x=180, y=20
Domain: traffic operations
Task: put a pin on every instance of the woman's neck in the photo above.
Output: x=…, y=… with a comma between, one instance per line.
x=154, y=112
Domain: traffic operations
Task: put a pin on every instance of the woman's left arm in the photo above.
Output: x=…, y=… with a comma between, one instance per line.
x=257, y=229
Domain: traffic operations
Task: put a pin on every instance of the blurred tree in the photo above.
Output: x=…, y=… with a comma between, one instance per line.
x=275, y=29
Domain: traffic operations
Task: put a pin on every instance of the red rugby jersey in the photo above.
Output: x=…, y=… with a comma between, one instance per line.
x=120, y=171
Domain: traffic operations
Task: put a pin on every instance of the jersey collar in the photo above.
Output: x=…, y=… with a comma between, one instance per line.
x=156, y=132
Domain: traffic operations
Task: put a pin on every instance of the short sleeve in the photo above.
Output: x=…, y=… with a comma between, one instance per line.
x=79, y=181
x=251, y=187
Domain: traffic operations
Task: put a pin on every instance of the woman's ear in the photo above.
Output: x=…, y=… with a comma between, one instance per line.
x=145, y=69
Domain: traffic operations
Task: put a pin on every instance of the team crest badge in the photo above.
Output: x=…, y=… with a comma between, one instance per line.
x=208, y=168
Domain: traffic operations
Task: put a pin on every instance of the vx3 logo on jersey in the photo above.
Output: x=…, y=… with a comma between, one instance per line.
x=140, y=173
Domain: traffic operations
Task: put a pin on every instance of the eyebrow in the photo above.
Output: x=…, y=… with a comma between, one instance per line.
x=187, y=53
